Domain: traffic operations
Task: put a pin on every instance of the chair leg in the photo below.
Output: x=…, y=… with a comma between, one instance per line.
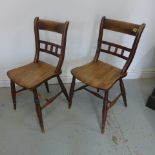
x=38, y=109
x=13, y=93
x=71, y=93
x=47, y=87
x=104, y=110
x=63, y=87
x=123, y=92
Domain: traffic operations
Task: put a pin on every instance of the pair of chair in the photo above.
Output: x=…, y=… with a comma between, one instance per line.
x=97, y=74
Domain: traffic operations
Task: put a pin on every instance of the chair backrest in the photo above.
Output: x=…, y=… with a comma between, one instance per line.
x=121, y=27
x=49, y=47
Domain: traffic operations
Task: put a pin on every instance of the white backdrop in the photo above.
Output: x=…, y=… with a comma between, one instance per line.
x=17, y=36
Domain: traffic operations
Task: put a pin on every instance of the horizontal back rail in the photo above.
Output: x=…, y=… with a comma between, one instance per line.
x=115, y=54
x=117, y=48
x=120, y=26
x=117, y=45
x=51, y=26
x=50, y=48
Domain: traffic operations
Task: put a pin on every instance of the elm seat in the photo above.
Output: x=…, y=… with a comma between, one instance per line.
x=32, y=75
x=105, y=74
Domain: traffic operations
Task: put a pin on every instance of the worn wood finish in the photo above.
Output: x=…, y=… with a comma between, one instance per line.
x=98, y=74
x=82, y=87
x=63, y=88
x=71, y=93
x=32, y=75
x=101, y=75
x=123, y=91
x=51, y=26
x=49, y=101
x=111, y=103
x=20, y=90
x=117, y=47
x=121, y=26
x=54, y=27
x=94, y=93
x=104, y=110
x=50, y=48
x=38, y=109
x=13, y=93
x=46, y=85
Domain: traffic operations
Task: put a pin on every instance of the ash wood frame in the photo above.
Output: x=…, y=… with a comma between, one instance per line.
x=117, y=26
x=56, y=27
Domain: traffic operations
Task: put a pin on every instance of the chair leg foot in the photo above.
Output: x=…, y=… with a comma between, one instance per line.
x=38, y=110
x=63, y=88
x=123, y=92
x=71, y=92
x=39, y=114
x=13, y=94
x=104, y=111
x=47, y=87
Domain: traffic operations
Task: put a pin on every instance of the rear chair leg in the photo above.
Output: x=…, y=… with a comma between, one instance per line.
x=38, y=110
x=13, y=93
x=63, y=87
x=71, y=93
x=46, y=85
x=104, y=111
x=123, y=92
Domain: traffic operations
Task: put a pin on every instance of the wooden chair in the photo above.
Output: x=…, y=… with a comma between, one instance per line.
x=32, y=75
x=101, y=75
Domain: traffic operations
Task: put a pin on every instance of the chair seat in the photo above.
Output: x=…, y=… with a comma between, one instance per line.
x=98, y=74
x=31, y=75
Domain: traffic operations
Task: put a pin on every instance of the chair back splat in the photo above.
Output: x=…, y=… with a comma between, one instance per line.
x=50, y=47
x=122, y=27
